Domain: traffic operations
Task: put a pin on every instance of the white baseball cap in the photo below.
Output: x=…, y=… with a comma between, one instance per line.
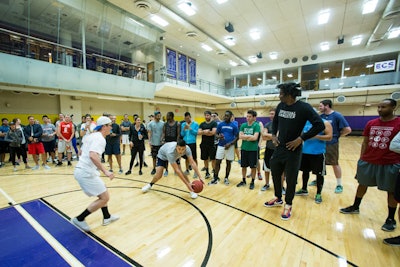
x=103, y=120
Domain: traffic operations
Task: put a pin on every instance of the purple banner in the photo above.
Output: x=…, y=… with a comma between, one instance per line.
x=182, y=67
x=192, y=70
x=171, y=63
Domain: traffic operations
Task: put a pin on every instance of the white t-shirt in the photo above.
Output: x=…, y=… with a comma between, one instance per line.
x=94, y=142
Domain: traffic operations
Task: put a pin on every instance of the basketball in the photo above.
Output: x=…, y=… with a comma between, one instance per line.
x=197, y=186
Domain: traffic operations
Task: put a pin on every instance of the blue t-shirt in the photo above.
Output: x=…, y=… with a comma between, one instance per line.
x=4, y=129
x=313, y=146
x=229, y=130
x=338, y=122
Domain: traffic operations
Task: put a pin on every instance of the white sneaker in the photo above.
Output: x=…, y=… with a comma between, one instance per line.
x=195, y=176
x=82, y=225
x=35, y=168
x=47, y=167
x=146, y=188
x=120, y=171
x=15, y=169
x=112, y=218
x=193, y=195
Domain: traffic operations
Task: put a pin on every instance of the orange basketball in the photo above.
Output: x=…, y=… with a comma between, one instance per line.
x=197, y=186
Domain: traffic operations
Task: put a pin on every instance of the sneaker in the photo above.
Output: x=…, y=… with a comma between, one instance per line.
x=240, y=162
x=186, y=172
x=146, y=188
x=103, y=161
x=251, y=187
x=259, y=176
x=350, y=210
x=226, y=181
x=35, y=168
x=190, y=167
x=208, y=175
x=128, y=172
x=15, y=169
x=69, y=163
x=28, y=167
x=273, y=203
x=215, y=180
x=153, y=172
x=313, y=183
x=82, y=225
x=140, y=172
x=301, y=192
x=287, y=212
x=265, y=187
x=283, y=191
x=47, y=167
x=318, y=198
x=120, y=171
x=393, y=241
x=112, y=218
x=389, y=225
x=137, y=164
x=59, y=163
x=339, y=189
x=110, y=170
x=165, y=173
x=203, y=169
x=145, y=164
x=193, y=195
x=242, y=183
x=195, y=176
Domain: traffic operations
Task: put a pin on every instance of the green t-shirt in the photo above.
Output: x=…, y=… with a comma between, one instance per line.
x=250, y=130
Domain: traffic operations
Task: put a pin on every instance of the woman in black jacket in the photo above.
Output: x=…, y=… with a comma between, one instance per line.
x=137, y=135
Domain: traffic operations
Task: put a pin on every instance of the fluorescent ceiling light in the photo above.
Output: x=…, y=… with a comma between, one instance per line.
x=326, y=79
x=259, y=79
x=323, y=17
x=233, y=63
x=187, y=7
x=221, y=1
x=356, y=40
x=255, y=34
x=324, y=46
x=160, y=21
x=230, y=41
x=370, y=65
x=326, y=70
x=394, y=33
x=369, y=6
x=273, y=77
x=290, y=75
x=347, y=68
x=273, y=55
x=206, y=47
x=131, y=20
x=253, y=59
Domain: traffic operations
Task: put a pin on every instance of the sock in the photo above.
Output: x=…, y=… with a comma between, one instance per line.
x=339, y=181
x=244, y=180
x=83, y=215
x=151, y=184
x=357, y=202
x=392, y=211
x=252, y=180
x=106, y=214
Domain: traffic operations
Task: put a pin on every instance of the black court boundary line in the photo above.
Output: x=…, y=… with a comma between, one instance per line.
x=98, y=239
x=264, y=220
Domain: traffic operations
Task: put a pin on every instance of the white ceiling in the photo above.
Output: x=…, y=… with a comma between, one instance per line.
x=288, y=27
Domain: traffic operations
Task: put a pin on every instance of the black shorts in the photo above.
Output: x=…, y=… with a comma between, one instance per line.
x=207, y=151
x=164, y=163
x=193, y=148
x=397, y=189
x=113, y=149
x=313, y=163
x=154, y=151
x=49, y=146
x=248, y=159
x=4, y=147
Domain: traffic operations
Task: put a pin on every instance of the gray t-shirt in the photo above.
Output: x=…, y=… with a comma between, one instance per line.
x=48, y=129
x=168, y=152
x=156, y=129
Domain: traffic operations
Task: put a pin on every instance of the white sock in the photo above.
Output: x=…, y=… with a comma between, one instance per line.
x=339, y=181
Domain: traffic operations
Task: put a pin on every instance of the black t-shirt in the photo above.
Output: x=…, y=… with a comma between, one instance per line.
x=205, y=139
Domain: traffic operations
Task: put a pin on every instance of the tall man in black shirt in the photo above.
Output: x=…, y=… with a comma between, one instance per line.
x=287, y=126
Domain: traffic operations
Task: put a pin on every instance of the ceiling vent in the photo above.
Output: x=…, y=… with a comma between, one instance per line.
x=233, y=105
x=341, y=99
x=263, y=102
x=221, y=52
x=143, y=5
x=191, y=34
x=395, y=95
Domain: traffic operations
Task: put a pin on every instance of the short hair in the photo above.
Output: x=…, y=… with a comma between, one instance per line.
x=207, y=112
x=170, y=113
x=393, y=102
x=292, y=89
x=44, y=116
x=187, y=113
x=30, y=116
x=230, y=112
x=88, y=115
x=252, y=113
x=181, y=142
x=327, y=102
x=4, y=119
x=216, y=113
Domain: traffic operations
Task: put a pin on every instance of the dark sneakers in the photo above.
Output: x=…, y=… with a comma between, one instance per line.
x=350, y=210
x=242, y=183
x=153, y=172
x=389, y=225
x=393, y=241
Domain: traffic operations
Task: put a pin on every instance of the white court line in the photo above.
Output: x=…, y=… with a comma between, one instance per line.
x=64, y=253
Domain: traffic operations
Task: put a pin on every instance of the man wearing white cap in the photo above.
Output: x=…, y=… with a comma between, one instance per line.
x=88, y=176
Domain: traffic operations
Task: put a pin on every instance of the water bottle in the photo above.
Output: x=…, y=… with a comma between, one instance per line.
x=139, y=135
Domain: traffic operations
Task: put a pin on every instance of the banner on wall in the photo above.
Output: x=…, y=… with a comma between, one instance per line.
x=385, y=65
x=171, y=63
x=182, y=67
x=192, y=70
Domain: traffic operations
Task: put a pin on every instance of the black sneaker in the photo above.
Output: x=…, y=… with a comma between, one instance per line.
x=128, y=172
x=350, y=210
x=59, y=163
x=208, y=175
x=251, y=187
x=145, y=164
x=389, y=225
x=69, y=163
x=215, y=180
x=140, y=173
x=137, y=164
x=242, y=183
x=393, y=241
x=153, y=172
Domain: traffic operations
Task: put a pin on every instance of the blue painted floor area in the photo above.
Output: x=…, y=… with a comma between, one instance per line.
x=21, y=245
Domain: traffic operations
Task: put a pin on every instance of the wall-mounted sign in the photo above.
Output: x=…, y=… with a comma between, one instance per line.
x=182, y=67
x=192, y=70
x=171, y=63
x=385, y=65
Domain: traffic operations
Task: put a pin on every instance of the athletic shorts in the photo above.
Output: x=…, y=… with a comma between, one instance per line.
x=112, y=149
x=397, y=189
x=125, y=139
x=91, y=183
x=193, y=148
x=36, y=148
x=248, y=159
x=207, y=151
x=383, y=176
x=313, y=163
x=154, y=151
x=164, y=163
x=4, y=147
x=332, y=154
x=228, y=154
x=49, y=146
x=64, y=146
x=267, y=156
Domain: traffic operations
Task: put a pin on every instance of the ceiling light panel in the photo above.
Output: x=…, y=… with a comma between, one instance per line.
x=324, y=46
x=187, y=7
x=253, y=59
x=221, y=1
x=394, y=33
x=273, y=55
x=206, y=47
x=356, y=40
x=230, y=41
x=255, y=34
x=323, y=17
x=369, y=6
x=160, y=21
